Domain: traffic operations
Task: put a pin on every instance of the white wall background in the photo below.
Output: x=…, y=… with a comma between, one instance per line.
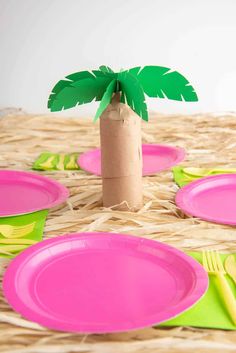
x=41, y=41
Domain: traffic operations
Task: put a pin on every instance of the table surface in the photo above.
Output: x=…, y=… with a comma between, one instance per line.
x=210, y=140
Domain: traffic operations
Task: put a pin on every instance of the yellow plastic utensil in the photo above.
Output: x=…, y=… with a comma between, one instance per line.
x=9, y=231
x=9, y=249
x=72, y=164
x=213, y=265
x=60, y=164
x=16, y=241
x=49, y=163
x=201, y=172
x=230, y=266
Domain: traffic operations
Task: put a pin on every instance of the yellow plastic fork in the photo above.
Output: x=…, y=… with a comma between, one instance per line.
x=9, y=231
x=213, y=265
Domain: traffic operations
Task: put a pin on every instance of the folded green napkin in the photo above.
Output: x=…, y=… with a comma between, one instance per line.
x=184, y=175
x=19, y=232
x=209, y=312
x=56, y=161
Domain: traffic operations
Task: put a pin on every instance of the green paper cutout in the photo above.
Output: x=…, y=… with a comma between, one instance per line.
x=155, y=81
x=133, y=93
x=66, y=83
x=106, y=99
x=99, y=73
x=76, y=76
x=161, y=82
x=106, y=69
x=79, y=92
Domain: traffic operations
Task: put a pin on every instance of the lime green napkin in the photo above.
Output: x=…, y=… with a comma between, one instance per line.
x=209, y=312
x=56, y=161
x=19, y=232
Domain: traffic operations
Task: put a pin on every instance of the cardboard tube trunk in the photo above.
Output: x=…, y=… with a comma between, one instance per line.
x=121, y=157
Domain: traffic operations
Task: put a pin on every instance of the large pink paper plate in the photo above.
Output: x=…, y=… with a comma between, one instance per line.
x=156, y=158
x=26, y=192
x=212, y=198
x=102, y=282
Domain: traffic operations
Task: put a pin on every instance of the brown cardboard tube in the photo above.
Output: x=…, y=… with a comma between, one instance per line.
x=121, y=157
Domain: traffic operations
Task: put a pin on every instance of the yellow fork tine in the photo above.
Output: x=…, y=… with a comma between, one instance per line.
x=14, y=241
x=209, y=260
x=204, y=261
x=22, y=231
x=219, y=262
x=12, y=247
x=24, y=226
x=214, y=262
x=27, y=226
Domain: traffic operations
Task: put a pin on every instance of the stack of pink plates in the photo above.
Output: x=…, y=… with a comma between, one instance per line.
x=102, y=282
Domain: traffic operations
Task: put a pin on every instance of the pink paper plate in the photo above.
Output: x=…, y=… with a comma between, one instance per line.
x=102, y=282
x=156, y=158
x=26, y=192
x=212, y=198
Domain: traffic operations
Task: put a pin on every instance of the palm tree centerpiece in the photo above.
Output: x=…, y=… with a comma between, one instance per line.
x=122, y=104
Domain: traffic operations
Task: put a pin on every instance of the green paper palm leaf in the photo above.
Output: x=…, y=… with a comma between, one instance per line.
x=79, y=88
x=161, y=82
x=133, y=94
x=107, y=70
x=106, y=99
x=66, y=83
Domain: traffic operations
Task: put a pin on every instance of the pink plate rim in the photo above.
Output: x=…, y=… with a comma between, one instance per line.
x=180, y=157
x=183, y=192
x=63, y=191
x=10, y=290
